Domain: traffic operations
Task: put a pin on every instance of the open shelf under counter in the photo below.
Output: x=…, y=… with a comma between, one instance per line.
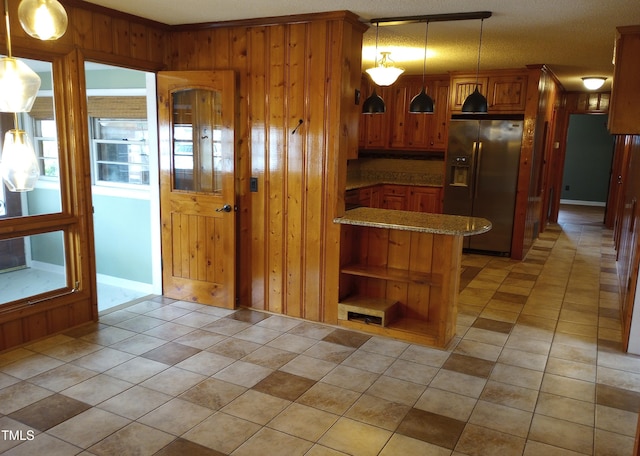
x=404, y=263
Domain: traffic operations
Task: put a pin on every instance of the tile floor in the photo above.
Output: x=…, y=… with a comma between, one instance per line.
x=536, y=369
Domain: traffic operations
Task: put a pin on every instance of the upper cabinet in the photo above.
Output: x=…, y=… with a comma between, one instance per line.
x=624, y=108
x=506, y=91
x=397, y=128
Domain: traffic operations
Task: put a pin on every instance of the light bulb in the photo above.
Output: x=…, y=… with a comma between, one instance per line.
x=43, y=19
x=19, y=165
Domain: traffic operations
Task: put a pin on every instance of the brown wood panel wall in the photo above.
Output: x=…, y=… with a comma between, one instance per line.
x=287, y=72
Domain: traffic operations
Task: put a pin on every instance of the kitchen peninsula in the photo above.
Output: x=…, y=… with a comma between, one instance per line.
x=400, y=272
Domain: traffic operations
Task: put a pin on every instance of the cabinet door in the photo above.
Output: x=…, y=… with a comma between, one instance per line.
x=463, y=86
x=624, y=108
x=376, y=197
x=438, y=137
x=364, y=197
x=507, y=93
x=426, y=199
x=394, y=197
x=374, y=128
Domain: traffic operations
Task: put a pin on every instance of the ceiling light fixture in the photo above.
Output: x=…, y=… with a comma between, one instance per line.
x=43, y=19
x=476, y=102
x=19, y=87
x=384, y=73
x=374, y=104
x=593, y=82
x=423, y=103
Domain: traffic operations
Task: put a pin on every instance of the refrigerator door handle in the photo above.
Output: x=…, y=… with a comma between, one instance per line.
x=476, y=183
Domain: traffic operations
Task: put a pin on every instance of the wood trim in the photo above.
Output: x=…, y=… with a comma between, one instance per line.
x=94, y=8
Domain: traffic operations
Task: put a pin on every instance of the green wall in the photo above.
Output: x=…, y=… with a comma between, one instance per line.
x=588, y=159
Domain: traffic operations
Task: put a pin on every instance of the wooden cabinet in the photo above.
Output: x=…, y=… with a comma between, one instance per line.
x=400, y=284
x=624, y=108
x=394, y=197
x=425, y=199
x=505, y=91
x=397, y=128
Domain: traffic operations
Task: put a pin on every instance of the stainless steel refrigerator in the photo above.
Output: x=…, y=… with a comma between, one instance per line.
x=481, y=176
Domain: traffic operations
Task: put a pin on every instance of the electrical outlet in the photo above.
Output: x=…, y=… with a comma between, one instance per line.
x=253, y=184
x=566, y=187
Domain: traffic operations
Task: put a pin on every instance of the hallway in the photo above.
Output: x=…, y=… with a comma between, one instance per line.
x=536, y=368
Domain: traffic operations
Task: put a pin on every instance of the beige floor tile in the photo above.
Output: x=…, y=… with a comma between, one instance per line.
x=302, y=421
x=176, y=416
x=243, y=373
x=510, y=395
x=269, y=441
x=518, y=376
x=136, y=370
x=456, y=382
x=612, y=443
x=372, y=362
x=329, y=398
x=135, y=402
x=173, y=381
x=60, y=378
x=446, y=403
x=383, y=346
x=533, y=448
x=88, y=427
x=292, y=342
x=269, y=357
x=320, y=450
x=201, y=339
x=378, y=412
x=350, y=378
x=44, y=444
x=565, y=408
x=136, y=438
x=425, y=355
x=616, y=420
x=222, y=432
x=480, y=441
x=411, y=372
x=97, y=389
x=326, y=351
x=355, y=438
x=256, y=407
x=561, y=433
x=523, y=359
x=569, y=387
x=213, y=393
x=571, y=369
x=205, y=363
x=31, y=366
x=487, y=337
x=396, y=390
x=169, y=331
x=308, y=367
x=501, y=418
x=478, y=350
x=402, y=445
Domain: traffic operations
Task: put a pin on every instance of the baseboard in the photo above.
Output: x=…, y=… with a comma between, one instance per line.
x=583, y=203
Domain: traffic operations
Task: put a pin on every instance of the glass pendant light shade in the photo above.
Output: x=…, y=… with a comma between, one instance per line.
x=476, y=102
x=593, y=82
x=43, y=19
x=374, y=104
x=19, y=85
x=18, y=164
x=385, y=73
x=421, y=103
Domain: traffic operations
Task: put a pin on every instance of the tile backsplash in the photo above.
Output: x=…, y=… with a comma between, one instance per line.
x=391, y=170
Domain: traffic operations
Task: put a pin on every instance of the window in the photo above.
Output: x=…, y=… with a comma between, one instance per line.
x=120, y=151
x=46, y=147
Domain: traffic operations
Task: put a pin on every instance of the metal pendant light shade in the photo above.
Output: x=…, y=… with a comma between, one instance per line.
x=374, y=104
x=421, y=103
x=476, y=102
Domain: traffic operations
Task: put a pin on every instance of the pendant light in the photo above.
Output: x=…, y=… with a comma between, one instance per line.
x=43, y=19
x=476, y=102
x=384, y=72
x=423, y=103
x=19, y=87
x=374, y=104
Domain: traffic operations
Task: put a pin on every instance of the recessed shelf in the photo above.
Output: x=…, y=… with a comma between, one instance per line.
x=397, y=275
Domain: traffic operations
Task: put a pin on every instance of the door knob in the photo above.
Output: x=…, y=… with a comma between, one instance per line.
x=225, y=208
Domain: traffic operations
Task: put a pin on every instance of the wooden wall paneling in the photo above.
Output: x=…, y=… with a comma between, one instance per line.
x=138, y=40
x=12, y=334
x=296, y=76
x=102, y=27
x=81, y=25
x=399, y=257
x=121, y=37
x=316, y=191
x=275, y=167
x=446, y=264
x=256, y=100
x=421, y=259
x=206, y=52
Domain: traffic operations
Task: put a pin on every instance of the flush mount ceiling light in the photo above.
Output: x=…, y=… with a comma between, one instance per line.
x=43, y=19
x=476, y=102
x=384, y=73
x=423, y=103
x=593, y=82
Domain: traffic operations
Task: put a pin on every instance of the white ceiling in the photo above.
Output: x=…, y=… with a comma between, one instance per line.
x=574, y=38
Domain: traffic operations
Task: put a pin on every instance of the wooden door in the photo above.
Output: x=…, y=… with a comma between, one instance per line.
x=197, y=180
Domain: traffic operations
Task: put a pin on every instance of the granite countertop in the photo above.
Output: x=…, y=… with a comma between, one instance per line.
x=415, y=221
